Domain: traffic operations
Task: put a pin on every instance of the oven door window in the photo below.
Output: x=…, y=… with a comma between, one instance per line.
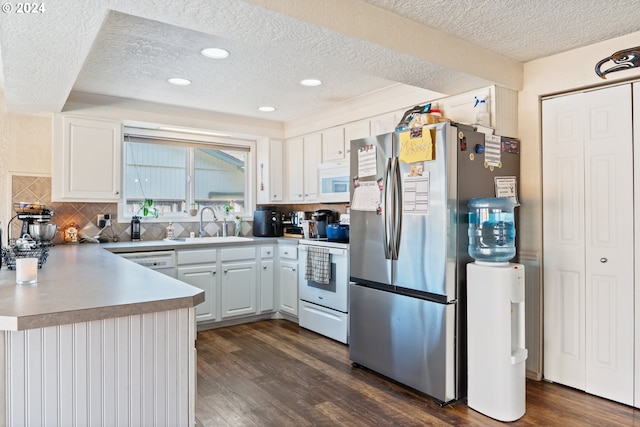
x=331, y=286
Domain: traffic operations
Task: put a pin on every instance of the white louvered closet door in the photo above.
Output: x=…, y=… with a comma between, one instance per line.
x=588, y=218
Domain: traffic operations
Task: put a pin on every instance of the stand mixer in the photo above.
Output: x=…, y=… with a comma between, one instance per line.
x=35, y=224
x=32, y=214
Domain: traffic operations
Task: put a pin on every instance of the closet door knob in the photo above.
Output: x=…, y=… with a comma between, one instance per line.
x=603, y=260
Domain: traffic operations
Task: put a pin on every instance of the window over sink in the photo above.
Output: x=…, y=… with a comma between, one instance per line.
x=181, y=171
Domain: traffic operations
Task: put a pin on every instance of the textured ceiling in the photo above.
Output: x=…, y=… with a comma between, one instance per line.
x=129, y=49
x=523, y=30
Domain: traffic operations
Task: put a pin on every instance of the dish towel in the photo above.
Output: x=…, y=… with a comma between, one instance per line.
x=318, y=265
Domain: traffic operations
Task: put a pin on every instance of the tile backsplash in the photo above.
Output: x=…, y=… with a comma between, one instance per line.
x=37, y=189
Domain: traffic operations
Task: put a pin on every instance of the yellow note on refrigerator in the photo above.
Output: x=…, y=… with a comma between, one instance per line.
x=416, y=145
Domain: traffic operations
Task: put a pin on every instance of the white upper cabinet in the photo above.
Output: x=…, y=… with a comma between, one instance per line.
x=333, y=144
x=276, y=171
x=86, y=160
x=385, y=123
x=270, y=173
x=356, y=130
x=303, y=156
x=502, y=106
x=295, y=169
x=312, y=156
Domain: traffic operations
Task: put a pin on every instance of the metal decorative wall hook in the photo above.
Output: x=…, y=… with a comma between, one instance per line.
x=624, y=59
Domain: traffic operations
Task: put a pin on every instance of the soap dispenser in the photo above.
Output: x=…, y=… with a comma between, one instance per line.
x=224, y=227
x=170, y=232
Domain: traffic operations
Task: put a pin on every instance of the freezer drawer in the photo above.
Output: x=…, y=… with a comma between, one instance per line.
x=407, y=339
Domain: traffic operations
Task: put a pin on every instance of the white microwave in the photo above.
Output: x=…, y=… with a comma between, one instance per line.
x=333, y=182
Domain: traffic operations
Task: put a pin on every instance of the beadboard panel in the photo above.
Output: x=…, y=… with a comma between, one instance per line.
x=533, y=313
x=127, y=371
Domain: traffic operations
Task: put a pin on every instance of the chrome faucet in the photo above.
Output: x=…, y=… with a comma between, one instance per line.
x=215, y=218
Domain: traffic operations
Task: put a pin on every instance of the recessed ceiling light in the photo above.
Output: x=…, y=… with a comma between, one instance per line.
x=266, y=109
x=310, y=82
x=214, y=53
x=179, y=81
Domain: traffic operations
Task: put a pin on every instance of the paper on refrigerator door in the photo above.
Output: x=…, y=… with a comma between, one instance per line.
x=366, y=196
x=367, y=161
x=415, y=197
x=507, y=186
x=416, y=145
x=492, y=153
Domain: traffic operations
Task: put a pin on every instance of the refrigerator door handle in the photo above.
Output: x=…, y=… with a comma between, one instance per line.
x=397, y=208
x=387, y=207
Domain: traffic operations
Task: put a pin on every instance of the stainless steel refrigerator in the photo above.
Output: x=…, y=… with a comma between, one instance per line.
x=408, y=249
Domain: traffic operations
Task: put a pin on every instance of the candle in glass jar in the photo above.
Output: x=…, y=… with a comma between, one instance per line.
x=26, y=270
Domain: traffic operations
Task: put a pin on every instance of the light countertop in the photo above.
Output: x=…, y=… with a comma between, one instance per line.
x=157, y=245
x=80, y=283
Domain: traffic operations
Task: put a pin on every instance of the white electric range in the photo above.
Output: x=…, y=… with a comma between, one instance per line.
x=324, y=308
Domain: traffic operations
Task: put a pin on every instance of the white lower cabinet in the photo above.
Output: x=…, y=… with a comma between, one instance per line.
x=267, y=279
x=238, y=282
x=288, y=277
x=203, y=277
x=198, y=268
x=242, y=280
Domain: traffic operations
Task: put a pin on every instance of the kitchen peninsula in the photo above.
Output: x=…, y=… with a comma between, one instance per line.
x=97, y=341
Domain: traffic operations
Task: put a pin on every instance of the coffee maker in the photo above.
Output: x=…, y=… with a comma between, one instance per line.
x=320, y=219
x=267, y=222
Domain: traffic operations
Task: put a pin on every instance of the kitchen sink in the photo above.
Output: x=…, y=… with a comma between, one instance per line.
x=215, y=239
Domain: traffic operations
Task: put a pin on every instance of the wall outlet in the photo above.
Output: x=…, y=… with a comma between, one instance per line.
x=103, y=220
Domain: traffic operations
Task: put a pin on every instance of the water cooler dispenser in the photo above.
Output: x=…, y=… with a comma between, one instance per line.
x=495, y=313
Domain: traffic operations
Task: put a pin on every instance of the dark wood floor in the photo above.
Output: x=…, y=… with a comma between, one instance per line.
x=274, y=373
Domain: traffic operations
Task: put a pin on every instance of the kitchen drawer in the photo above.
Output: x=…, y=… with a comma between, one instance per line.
x=330, y=323
x=266, y=252
x=235, y=254
x=196, y=256
x=288, y=252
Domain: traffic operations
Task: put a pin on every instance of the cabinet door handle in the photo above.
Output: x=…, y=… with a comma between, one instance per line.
x=603, y=260
x=225, y=272
x=339, y=151
x=117, y=192
x=264, y=267
x=293, y=269
x=275, y=195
